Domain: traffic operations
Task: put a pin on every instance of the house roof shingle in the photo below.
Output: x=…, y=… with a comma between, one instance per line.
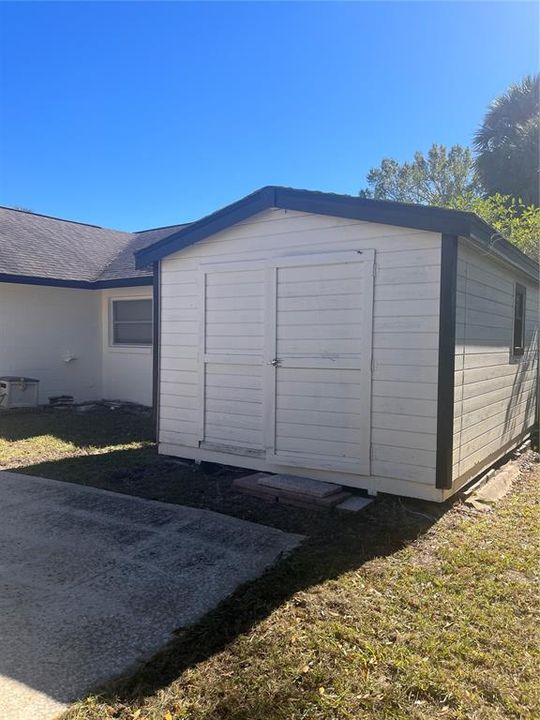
x=39, y=246
x=123, y=264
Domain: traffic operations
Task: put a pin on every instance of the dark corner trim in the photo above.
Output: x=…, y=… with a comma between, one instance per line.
x=447, y=357
x=156, y=317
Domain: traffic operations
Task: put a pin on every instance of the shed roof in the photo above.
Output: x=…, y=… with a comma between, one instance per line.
x=421, y=217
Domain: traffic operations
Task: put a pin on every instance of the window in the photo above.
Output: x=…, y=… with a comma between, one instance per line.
x=131, y=322
x=519, y=320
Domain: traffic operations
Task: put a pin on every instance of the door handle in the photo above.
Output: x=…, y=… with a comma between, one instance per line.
x=276, y=362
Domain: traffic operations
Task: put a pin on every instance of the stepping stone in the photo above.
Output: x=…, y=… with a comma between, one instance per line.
x=257, y=485
x=355, y=503
x=300, y=485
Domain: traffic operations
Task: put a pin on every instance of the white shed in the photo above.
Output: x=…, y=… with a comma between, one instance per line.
x=383, y=346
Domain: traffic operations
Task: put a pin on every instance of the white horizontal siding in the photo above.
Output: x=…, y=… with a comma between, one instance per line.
x=495, y=393
x=336, y=433
x=233, y=330
x=405, y=335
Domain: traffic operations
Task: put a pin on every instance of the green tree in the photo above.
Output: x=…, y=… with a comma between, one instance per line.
x=436, y=179
x=517, y=222
x=507, y=143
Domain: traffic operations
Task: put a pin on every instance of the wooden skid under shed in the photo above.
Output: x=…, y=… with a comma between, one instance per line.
x=251, y=485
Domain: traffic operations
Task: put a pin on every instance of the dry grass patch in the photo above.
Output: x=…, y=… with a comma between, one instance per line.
x=29, y=438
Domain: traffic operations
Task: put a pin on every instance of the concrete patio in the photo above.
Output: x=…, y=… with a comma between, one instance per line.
x=93, y=582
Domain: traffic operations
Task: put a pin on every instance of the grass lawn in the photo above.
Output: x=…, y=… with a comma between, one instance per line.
x=409, y=610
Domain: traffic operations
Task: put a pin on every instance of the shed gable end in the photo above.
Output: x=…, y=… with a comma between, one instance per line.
x=404, y=338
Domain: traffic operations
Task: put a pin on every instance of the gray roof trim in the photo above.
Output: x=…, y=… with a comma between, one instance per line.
x=76, y=284
x=208, y=225
x=492, y=241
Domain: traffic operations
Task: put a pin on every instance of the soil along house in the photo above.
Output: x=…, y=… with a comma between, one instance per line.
x=75, y=313
x=383, y=346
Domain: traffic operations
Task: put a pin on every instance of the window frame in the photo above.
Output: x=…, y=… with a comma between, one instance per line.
x=123, y=345
x=518, y=348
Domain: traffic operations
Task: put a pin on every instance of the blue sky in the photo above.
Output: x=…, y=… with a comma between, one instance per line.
x=135, y=115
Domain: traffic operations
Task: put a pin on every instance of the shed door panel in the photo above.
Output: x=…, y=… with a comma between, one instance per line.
x=233, y=354
x=320, y=382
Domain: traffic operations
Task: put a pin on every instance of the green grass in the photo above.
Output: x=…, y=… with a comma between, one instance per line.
x=51, y=435
x=407, y=611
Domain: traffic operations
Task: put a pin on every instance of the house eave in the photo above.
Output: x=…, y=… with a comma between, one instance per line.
x=76, y=284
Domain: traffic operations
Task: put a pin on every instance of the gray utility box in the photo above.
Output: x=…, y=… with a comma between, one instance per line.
x=18, y=392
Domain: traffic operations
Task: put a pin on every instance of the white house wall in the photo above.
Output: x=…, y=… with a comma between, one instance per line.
x=61, y=337
x=495, y=393
x=405, y=337
x=126, y=371
x=52, y=334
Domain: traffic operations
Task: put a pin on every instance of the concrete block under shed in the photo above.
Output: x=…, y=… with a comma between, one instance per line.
x=292, y=490
x=355, y=503
x=299, y=485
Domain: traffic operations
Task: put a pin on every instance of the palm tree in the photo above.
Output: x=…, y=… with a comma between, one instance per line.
x=507, y=143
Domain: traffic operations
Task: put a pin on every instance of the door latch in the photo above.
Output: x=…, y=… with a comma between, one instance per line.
x=276, y=362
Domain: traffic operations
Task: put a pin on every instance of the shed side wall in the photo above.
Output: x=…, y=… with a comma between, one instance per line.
x=495, y=393
x=405, y=332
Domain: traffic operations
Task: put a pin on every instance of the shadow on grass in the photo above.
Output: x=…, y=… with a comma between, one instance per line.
x=100, y=428
x=335, y=545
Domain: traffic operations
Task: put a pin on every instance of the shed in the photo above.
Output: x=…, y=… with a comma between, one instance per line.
x=384, y=346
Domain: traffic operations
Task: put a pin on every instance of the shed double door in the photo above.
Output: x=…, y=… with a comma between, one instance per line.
x=298, y=354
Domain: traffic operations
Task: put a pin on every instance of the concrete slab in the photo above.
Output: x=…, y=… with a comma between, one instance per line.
x=93, y=582
x=355, y=503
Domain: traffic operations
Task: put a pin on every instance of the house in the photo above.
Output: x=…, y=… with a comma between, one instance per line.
x=385, y=346
x=75, y=313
